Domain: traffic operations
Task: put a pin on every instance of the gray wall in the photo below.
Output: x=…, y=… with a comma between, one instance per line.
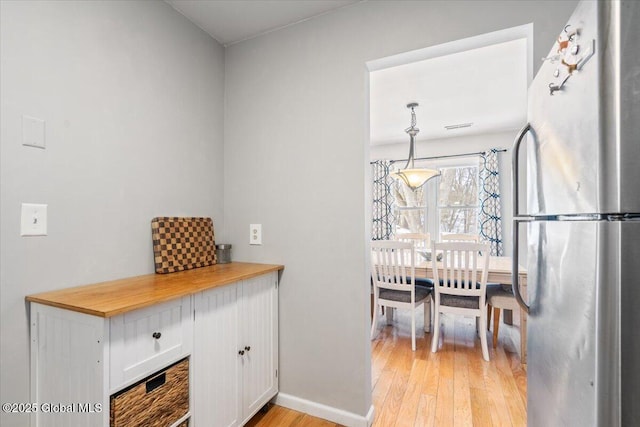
x=296, y=160
x=132, y=94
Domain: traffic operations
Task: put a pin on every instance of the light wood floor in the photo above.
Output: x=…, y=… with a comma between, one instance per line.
x=453, y=387
x=277, y=416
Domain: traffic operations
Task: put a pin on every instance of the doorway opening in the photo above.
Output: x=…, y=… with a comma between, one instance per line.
x=472, y=96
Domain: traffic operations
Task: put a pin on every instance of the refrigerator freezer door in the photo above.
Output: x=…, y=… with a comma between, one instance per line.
x=563, y=158
x=584, y=154
x=561, y=325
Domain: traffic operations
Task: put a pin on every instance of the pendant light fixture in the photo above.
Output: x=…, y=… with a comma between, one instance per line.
x=412, y=176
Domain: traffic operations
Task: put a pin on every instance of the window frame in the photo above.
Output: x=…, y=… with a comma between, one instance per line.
x=431, y=205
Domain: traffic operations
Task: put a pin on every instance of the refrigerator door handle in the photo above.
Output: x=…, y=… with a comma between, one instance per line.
x=515, y=170
x=515, y=282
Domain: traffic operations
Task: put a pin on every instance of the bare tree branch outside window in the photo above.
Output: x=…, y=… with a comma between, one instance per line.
x=411, y=208
x=458, y=200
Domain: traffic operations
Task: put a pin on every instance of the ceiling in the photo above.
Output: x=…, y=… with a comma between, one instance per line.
x=486, y=86
x=233, y=21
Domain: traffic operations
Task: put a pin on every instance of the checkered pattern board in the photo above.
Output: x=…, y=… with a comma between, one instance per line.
x=182, y=243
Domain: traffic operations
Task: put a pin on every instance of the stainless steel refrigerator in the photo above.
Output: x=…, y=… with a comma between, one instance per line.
x=583, y=222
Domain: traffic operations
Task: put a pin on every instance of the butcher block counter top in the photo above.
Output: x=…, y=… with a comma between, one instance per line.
x=115, y=297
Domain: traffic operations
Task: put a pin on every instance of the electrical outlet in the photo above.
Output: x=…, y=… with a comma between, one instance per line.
x=33, y=220
x=255, y=234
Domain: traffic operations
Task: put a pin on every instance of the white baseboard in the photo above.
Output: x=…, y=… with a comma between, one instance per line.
x=329, y=413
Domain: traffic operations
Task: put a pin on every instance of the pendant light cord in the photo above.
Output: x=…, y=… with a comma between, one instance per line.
x=412, y=131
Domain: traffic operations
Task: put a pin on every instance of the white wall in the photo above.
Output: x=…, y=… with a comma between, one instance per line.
x=132, y=95
x=296, y=161
x=462, y=145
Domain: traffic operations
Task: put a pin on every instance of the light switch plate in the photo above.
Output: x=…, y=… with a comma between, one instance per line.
x=255, y=234
x=33, y=220
x=33, y=134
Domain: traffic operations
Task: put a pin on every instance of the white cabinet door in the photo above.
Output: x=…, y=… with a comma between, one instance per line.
x=259, y=339
x=235, y=354
x=217, y=377
x=146, y=340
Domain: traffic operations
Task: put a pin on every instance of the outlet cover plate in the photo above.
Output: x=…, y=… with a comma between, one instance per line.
x=255, y=234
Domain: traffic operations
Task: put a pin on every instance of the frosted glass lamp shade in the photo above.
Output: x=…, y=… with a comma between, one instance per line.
x=415, y=178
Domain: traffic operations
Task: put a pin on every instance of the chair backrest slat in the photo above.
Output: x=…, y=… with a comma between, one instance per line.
x=463, y=270
x=393, y=264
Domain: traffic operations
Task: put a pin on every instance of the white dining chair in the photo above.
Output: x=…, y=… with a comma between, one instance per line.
x=460, y=286
x=422, y=244
x=393, y=277
x=421, y=241
x=499, y=297
x=460, y=237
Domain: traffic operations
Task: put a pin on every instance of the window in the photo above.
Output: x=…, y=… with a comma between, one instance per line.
x=446, y=204
x=411, y=209
x=458, y=200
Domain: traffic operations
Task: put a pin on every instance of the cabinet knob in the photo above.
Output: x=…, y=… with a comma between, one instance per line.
x=241, y=352
x=156, y=335
x=248, y=347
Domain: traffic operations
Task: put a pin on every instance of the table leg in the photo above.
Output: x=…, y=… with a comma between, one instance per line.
x=507, y=317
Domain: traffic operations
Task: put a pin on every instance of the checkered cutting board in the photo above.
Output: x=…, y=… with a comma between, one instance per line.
x=182, y=243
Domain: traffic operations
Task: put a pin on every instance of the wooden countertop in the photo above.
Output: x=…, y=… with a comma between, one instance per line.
x=120, y=296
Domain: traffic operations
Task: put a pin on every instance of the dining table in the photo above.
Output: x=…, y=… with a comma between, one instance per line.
x=499, y=271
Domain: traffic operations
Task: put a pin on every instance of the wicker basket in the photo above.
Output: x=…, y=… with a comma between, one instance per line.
x=157, y=401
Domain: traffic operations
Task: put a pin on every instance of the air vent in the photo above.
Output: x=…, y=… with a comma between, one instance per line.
x=458, y=126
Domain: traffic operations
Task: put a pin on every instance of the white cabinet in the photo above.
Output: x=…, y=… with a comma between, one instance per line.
x=88, y=344
x=236, y=351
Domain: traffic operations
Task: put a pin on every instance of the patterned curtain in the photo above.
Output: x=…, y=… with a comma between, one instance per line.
x=382, y=212
x=490, y=219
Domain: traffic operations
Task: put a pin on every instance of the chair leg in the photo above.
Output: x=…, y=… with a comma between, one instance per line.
x=496, y=324
x=488, y=316
x=389, y=311
x=436, y=331
x=433, y=311
x=374, y=322
x=413, y=329
x=483, y=337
